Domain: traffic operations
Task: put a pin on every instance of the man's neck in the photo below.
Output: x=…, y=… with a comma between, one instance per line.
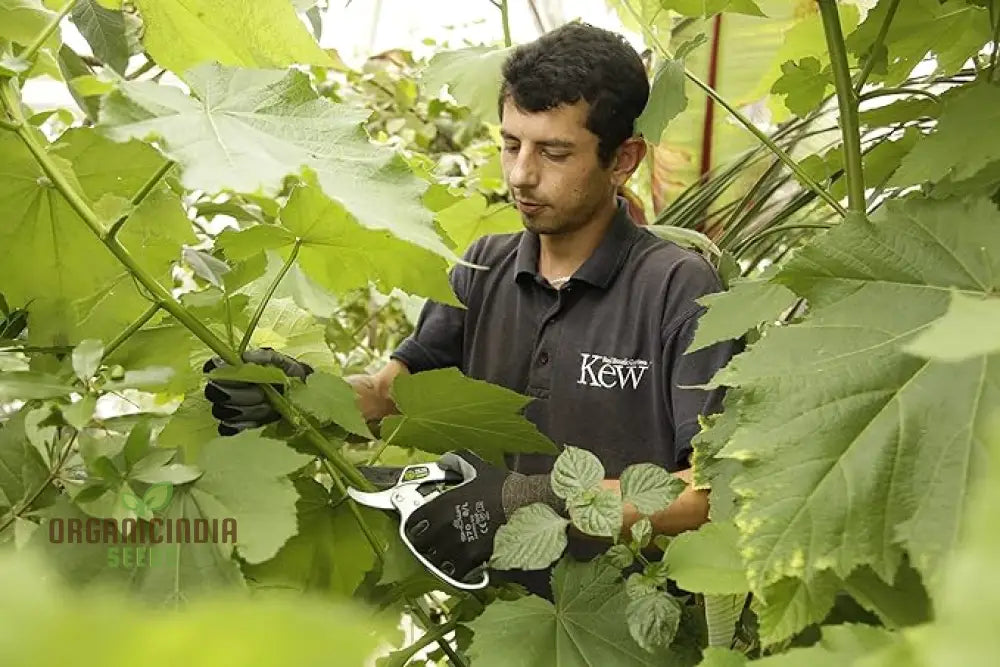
x=560, y=255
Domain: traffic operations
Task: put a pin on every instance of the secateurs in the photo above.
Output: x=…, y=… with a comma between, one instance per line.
x=414, y=486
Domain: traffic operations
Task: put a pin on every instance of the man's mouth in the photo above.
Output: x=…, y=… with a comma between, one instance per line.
x=529, y=207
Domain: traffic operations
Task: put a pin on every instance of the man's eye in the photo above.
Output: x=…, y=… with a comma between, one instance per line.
x=510, y=148
x=558, y=157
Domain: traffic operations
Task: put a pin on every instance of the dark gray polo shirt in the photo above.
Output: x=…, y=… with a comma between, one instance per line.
x=602, y=357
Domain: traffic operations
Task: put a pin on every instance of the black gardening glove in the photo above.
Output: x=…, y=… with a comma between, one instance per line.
x=243, y=405
x=455, y=531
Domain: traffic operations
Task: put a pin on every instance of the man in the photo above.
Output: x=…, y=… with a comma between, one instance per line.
x=584, y=311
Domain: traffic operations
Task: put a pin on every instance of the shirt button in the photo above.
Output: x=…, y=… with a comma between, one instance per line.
x=543, y=358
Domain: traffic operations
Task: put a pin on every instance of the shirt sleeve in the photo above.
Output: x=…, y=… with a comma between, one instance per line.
x=693, y=280
x=695, y=368
x=437, y=339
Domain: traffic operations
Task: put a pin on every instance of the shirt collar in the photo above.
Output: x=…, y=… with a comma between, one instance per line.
x=602, y=266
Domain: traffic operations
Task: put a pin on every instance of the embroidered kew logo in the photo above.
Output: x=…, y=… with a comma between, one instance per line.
x=596, y=370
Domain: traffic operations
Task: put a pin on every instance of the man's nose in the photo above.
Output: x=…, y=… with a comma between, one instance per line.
x=523, y=174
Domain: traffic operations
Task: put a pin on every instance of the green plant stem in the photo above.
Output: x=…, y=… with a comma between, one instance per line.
x=32, y=49
x=376, y=545
x=424, y=620
x=169, y=303
x=505, y=19
x=883, y=92
x=743, y=120
x=7, y=125
x=139, y=323
x=876, y=45
x=267, y=296
x=385, y=443
x=16, y=512
x=435, y=633
x=141, y=195
x=847, y=101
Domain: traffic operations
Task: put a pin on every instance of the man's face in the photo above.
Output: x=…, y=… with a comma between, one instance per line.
x=550, y=164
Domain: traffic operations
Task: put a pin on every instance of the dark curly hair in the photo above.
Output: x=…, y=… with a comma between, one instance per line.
x=574, y=61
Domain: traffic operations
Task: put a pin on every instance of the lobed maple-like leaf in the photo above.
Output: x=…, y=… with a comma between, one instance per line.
x=586, y=626
x=76, y=288
x=247, y=130
x=855, y=449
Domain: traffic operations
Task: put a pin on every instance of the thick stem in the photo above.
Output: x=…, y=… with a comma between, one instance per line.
x=32, y=49
x=743, y=120
x=267, y=296
x=876, y=45
x=132, y=329
x=169, y=303
x=505, y=19
x=7, y=125
x=847, y=101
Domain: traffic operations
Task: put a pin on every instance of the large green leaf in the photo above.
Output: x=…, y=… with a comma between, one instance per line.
x=77, y=289
x=442, y=410
x=180, y=34
x=329, y=554
x=329, y=398
x=585, y=627
x=247, y=130
x=952, y=31
x=960, y=147
x=855, y=449
x=340, y=254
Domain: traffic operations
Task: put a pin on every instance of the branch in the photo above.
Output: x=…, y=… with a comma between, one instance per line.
x=140, y=196
x=879, y=40
x=170, y=304
x=847, y=101
x=742, y=246
x=505, y=19
x=130, y=330
x=32, y=49
x=746, y=122
x=267, y=297
x=7, y=125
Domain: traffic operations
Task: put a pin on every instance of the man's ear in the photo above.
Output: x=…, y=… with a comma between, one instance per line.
x=628, y=157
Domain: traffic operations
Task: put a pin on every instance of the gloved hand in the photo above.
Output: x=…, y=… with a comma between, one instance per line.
x=455, y=531
x=243, y=405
